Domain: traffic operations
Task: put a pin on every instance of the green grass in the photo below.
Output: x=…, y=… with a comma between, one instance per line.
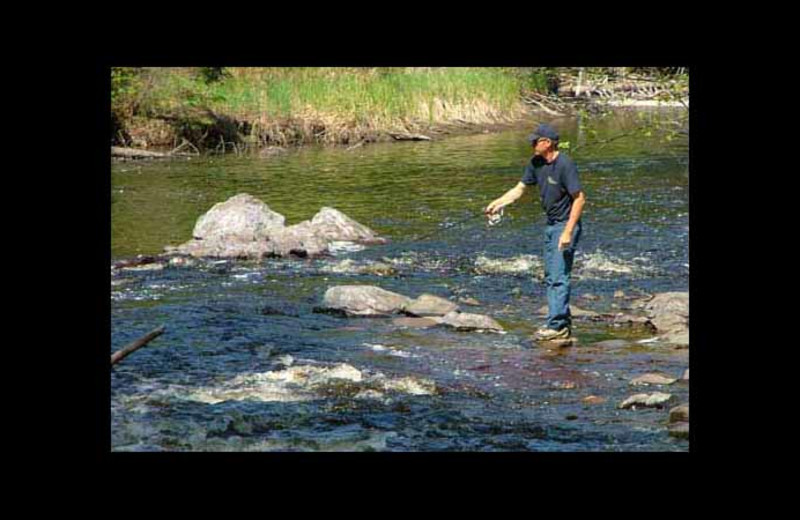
x=281, y=104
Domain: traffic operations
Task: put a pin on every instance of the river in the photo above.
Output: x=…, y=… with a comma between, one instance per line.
x=236, y=368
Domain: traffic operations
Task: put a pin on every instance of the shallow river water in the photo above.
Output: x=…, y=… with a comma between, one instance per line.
x=247, y=364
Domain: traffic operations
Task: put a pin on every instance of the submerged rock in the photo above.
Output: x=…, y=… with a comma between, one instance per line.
x=654, y=400
x=430, y=305
x=653, y=379
x=364, y=300
x=467, y=321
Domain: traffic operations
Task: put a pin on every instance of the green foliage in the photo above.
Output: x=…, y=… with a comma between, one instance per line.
x=122, y=81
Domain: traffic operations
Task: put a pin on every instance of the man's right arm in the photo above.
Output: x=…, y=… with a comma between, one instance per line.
x=509, y=197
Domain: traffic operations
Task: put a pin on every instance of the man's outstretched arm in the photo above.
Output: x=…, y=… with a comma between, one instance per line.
x=508, y=197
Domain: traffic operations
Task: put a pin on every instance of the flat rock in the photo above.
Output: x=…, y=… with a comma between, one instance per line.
x=654, y=400
x=415, y=323
x=679, y=413
x=430, y=305
x=679, y=430
x=652, y=379
x=467, y=321
x=364, y=300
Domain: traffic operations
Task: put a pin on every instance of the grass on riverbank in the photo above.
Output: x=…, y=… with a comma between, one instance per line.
x=288, y=106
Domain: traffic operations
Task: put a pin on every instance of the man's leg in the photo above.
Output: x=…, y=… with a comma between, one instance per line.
x=559, y=274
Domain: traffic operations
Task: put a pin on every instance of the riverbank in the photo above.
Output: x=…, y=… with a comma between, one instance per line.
x=266, y=110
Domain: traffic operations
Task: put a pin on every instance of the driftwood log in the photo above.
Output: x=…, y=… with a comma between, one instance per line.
x=119, y=355
x=410, y=137
x=132, y=153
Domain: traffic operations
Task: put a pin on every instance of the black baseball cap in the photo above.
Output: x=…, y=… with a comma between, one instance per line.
x=543, y=130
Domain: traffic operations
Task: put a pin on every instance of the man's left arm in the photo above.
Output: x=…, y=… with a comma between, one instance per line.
x=573, y=186
x=579, y=199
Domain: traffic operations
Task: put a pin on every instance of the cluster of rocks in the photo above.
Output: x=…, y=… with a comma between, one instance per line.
x=244, y=227
x=678, y=415
x=425, y=310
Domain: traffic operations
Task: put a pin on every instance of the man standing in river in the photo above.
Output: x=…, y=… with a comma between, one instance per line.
x=562, y=200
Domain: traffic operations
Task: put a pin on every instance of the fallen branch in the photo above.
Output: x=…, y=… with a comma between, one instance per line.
x=119, y=355
x=542, y=106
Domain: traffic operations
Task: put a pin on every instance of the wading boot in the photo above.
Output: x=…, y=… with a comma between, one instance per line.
x=550, y=334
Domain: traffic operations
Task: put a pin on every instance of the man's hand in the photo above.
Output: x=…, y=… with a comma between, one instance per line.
x=565, y=240
x=493, y=207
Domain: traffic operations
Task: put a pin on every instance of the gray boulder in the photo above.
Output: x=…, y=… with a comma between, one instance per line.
x=335, y=225
x=669, y=312
x=364, y=300
x=467, y=321
x=430, y=305
x=242, y=217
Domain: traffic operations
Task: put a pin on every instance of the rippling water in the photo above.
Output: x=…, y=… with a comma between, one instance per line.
x=247, y=331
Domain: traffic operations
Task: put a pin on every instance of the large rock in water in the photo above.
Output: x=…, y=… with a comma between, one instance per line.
x=242, y=217
x=669, y=312
x=335, y=225
x=245, y=227
x=364, y=300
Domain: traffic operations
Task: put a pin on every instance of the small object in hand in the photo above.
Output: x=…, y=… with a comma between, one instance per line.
x=495, y=218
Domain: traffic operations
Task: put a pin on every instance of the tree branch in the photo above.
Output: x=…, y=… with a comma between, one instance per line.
x=119, y=355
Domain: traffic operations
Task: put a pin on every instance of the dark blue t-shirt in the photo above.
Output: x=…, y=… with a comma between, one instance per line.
x=557, y=181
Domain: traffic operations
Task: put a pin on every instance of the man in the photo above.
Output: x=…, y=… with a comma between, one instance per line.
x=562, y=200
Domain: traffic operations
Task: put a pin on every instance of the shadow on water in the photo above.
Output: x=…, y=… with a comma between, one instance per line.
x=232, y=320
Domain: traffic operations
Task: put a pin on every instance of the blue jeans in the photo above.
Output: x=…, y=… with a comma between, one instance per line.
x=557, y=274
